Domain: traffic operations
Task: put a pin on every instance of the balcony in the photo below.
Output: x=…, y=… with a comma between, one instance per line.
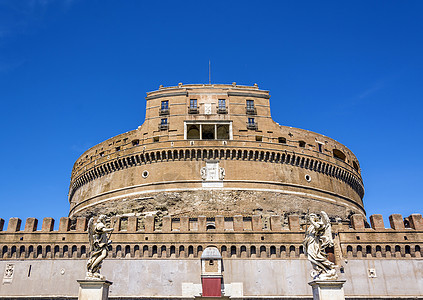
x=193, y=109
x=252, y=126
x=251, y=110
x=163, y=126
x=222, y=110
x=163, y=111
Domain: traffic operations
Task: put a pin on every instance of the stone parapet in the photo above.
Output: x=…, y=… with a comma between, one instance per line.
x=258, y=236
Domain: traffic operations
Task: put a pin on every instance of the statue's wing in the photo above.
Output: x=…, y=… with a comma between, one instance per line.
x=325, y=218
x=327, y=235
x=91, y=232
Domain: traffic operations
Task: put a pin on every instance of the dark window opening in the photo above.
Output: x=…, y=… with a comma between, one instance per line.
x=355, y=165
x=339, y=154
x=302, y=144
x=282, y=140
x=208, y=132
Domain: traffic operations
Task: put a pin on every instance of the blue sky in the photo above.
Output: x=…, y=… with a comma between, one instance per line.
x=74, y=73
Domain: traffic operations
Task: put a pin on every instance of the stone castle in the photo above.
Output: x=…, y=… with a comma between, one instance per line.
x=210, y=168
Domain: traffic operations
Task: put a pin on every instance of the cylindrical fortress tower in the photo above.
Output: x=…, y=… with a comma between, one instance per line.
x=214, y=149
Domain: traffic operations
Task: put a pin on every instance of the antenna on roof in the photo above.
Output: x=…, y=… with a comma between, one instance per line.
x=209, y=72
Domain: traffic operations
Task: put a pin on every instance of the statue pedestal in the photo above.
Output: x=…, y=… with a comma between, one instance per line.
x=328, y=289
x=93, y=289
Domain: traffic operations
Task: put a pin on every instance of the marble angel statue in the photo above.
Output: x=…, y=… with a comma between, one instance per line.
x=318, y=237
x=99, y=237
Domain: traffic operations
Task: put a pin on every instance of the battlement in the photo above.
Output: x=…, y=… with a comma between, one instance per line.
x=237, y=237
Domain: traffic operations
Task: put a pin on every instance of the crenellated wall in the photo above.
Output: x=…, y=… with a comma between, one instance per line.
x=236, y=237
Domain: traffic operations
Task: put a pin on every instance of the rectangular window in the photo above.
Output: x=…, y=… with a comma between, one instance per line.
x=165, y=105
x=320, y=147
x=222, y=103
x=193, y=103
x=250, y=104
x=251, y=121
x=222, y=132
x=163, y=121
x=208, y=131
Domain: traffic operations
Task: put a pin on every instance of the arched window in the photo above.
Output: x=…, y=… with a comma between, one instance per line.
x=39, y=251
x=407, y=249
x=272, y=250
x=22, y=251
x=56, y=251
x=172, y=250
x=127, y=251
x=190, y=250
x=355, y=165
x=154, y=250
x=83, y=251
x=339, y=154
x=253, y=250
x=13, y=251
x=4, y=252
x=262, y=251
x=233, y=250
x=31, y=250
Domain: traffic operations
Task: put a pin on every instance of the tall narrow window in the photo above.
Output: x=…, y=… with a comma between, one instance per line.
x=164, y=107
x=320, y=147
x=163, y=124
x=251, y=124
x=222, y=104
x=193, y=103
x=221, y=109
x=193, y=108
x=250, y=109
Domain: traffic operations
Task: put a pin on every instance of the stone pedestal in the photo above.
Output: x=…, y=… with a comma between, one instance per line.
x=328, y=289
x=93, y=289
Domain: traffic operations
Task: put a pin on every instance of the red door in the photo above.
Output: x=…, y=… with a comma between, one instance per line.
x=211, y=287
